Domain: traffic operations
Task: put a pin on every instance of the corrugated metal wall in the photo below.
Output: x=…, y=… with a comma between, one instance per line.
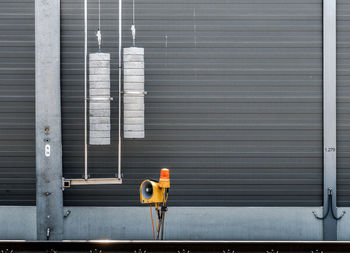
x=224, y=106
x=17, y=108
x=234, y=103
x=343, y=101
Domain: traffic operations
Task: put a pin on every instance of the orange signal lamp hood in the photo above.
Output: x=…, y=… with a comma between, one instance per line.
x=164, y=180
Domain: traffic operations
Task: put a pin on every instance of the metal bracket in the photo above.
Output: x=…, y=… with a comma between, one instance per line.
x=95, y=251
x=183, y=251
x=68, y=212
x=6, y=251
x=140, y=251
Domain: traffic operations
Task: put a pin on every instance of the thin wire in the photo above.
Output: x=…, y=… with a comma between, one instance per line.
x=98, y=34
x=154, y=234
x=133, y=12
x=133, y=28
x=99, y=15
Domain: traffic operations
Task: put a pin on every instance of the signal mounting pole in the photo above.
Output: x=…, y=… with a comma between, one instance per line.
x=329, y=117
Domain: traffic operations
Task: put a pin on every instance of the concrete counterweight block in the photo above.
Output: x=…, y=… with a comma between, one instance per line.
x=99, y=99
x=134, y=93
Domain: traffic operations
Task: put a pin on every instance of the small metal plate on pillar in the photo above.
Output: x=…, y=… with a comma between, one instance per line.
x=134, y=111
x=99, y=99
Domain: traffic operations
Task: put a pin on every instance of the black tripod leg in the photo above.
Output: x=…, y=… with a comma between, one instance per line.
x=158, y=223
x=163, y=216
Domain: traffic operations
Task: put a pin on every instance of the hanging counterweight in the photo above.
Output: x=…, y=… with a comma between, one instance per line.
x=134, y=88
x=134, y=108
x=99, y=92
x=99, y=99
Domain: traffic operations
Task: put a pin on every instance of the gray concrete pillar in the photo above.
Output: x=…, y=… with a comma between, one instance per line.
x=49, y=197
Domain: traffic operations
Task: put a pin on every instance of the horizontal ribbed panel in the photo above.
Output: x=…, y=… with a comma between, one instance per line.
x=343, y=102
x=234, y=104
x=17, y=104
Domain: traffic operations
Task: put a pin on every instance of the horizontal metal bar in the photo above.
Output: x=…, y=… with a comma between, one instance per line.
x=100, y=99
x=90, y=181
x=135, y=92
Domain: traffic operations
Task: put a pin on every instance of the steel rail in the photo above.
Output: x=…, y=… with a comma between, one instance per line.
x=176, y=246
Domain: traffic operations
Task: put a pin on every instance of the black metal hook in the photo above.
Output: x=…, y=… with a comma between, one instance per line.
x=329, y=208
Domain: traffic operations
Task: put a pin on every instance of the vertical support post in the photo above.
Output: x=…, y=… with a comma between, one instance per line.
x=49, y=196
x=329, y=115
x=120, y=7
x=85, y=93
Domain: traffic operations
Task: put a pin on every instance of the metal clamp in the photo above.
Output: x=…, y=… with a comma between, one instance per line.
x=48, y=233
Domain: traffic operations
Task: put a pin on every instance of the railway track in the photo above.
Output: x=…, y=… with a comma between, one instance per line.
x=171, y=246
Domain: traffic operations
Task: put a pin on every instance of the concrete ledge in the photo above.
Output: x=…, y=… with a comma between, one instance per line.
x=18, y=223
x=182, y=223
x=343, y=228
x=195, y=223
